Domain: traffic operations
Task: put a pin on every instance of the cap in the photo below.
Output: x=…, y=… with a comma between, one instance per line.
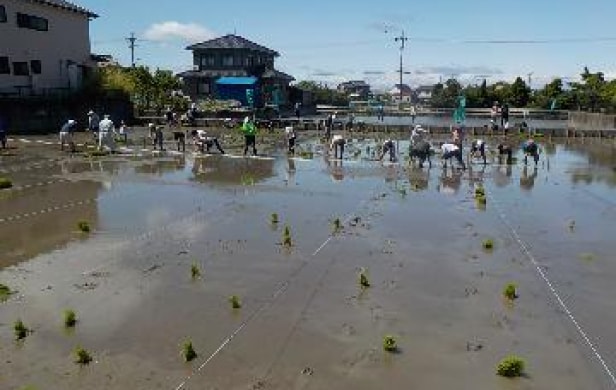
x=71, y=122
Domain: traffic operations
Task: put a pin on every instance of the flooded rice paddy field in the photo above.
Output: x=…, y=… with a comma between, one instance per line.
x=304, y=321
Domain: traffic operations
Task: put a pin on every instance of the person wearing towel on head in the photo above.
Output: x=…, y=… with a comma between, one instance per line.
x=291, y=137
x=418, y=135
x=66, y=135
x=250, y=135
x=337, y=144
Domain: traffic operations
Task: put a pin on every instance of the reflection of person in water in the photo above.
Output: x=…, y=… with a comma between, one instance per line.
x=501, y=175
x=290, y=170
x=476, y=175
x=450, y=184
x=336, y=169
x=419, y=179
x=527, y=182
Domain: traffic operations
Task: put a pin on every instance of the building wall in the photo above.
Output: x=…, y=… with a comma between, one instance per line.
x=62, y=50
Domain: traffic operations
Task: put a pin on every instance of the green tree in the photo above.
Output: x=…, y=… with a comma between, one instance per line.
x=519, y=93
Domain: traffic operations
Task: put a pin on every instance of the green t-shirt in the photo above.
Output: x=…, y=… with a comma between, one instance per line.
x=249, y=128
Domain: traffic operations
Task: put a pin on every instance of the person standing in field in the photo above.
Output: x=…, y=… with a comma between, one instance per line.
x=93, y=123
x=3, y=131
x=105, y=134
x=291, y=137
x=250, y=135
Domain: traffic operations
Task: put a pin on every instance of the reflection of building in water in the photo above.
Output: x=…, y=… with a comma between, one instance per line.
x=39, y=232
x=501, y=175
x=450, y=182
x=226, y=170
x=419, y=179
x=527, y=182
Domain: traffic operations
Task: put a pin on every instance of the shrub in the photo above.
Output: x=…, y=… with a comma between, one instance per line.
x=83, y=226
x=20, y=329
x=5, y=183
x=70, y=318
x=195, y=272
x=235, y=302
x=488, y=244
x=82, y=356
x=511, y=366
x=274, y=219
x=510, y=291
x=188, y=352
x=389, y=344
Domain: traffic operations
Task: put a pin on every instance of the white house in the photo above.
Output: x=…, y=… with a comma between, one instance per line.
x=44, y=46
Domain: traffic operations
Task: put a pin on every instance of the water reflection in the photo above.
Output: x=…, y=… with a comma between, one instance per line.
x=501, y=175
x=162, y=167
x=527, y=182
x=48, y=218
x=419, y=179
x=451, y=181
x=227, y=170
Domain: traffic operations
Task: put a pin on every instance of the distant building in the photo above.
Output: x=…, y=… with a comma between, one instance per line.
x=424, y=94
x=45, y=46
x=233, y=56
x=104, y=60
x=355, y=89
x=401, y=93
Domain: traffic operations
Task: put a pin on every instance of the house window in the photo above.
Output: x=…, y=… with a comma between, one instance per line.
x=36, y=67
x=5, y=68
x=21, y=69
x=207, y=60
x=2, y=14
x=32, y=22
x=227, y=60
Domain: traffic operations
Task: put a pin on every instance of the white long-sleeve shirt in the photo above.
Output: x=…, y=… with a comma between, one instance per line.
x=448, y=148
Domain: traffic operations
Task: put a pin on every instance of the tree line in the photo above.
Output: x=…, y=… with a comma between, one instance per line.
x=592, y=93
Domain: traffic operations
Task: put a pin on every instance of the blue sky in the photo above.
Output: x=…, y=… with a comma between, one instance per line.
x=333, y=41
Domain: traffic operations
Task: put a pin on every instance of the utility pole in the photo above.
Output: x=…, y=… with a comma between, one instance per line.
x=530, y=75
x=402, y=39
x=131, y=45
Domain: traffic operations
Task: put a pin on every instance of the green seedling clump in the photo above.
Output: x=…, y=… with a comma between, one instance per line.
x=488, y=244
x=188, y=352
x=5, y=292
x=510, y=291
x=195, y=272
x=286, y=237
x=274, y=219
x=389, y=344
x=363, y=279
x=481, y=200
x=5, y=183
x=70, y=319
x=21, y=331
x=337, y=225
x=82, y=356
x=83, y=226
x=480, y=192
x=235, y=302
x=511, y=366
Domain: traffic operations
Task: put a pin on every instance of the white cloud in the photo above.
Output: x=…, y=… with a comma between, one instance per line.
x=171, y=30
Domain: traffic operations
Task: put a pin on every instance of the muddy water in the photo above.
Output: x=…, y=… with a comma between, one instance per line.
x=304, y=321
